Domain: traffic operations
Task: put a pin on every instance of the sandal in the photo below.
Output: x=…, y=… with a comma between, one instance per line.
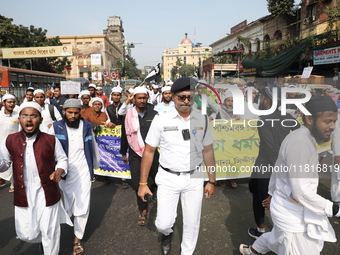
x=11, y=189
x=233, y=184
x=125, y=185
x=77, y=247
x=142, y=220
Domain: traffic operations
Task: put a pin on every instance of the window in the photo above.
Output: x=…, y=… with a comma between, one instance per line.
x=87, y=42
x=278, y=35
x=266, y=42
x=312, y=12
x=79, y=43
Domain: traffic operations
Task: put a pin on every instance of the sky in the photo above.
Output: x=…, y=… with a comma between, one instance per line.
x=153, y=26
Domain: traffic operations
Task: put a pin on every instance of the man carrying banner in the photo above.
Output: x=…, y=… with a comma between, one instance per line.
x=77, y=139
x=185, y=142
x=135, y=127
x=38, y=163
x=299, y=214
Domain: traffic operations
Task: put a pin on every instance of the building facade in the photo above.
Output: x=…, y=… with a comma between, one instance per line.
x=187, y=52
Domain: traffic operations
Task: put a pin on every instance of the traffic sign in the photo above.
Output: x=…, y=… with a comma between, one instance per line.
x=105, y=72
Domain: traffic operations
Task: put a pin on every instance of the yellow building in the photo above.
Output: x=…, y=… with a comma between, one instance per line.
x=187, y=52
x=83, y=47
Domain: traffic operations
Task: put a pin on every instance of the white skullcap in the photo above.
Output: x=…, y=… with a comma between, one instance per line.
x=95, y=99
x=92, y=86
x=140, y=90
x=7, y=96
x=228, y=94
x=166, y=88
x=116, y=89
x=83, y=92
x=291, y=86
x=99, y=88
x=131, y=90
x=30, y=104
x=155, y=86
x=169, y=83
x=38, y=91
x=30, y=89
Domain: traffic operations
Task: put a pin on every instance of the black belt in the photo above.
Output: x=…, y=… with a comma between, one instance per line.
x=177, y=173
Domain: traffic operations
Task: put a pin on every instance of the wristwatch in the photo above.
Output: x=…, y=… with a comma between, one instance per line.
x=213, y=183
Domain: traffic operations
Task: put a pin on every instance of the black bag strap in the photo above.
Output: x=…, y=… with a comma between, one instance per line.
x=51, y=110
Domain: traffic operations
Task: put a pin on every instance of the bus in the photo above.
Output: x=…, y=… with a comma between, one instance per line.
x=15, y=77
x=131, y=84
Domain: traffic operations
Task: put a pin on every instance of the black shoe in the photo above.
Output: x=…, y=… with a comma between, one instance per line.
x=254, y=233
x=166, y=244
x=41, y=249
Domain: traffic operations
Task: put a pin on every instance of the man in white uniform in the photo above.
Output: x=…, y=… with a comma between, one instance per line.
x=77, y=139
x=49, y=112
x=9, y=124
x=38, y=164
x=299, y=214
x=185, y=142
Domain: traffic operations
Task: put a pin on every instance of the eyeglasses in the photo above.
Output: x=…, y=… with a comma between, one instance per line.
x=183, y=97
x=25, y=116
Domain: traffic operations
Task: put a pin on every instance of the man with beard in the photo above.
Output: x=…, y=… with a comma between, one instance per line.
x=58, y=100
x=271, y=133
x=38, y=162
x=77, y=139
x=97, y=116
x=9, y=124
x=167, y=101
x=135, y=127
x=49, y=112
x=185, y=141
x=299, y=214
x=112, y=110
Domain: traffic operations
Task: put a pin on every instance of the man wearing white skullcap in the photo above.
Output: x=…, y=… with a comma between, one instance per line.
x=100, y=94
x=38, y=165
x=49, y=112
x=135, y=127
x=156, y=95
x=9, y=124
x=112, y=110
x=85, y=97
x=166, y=100
x=29, y=94
x=97, y=116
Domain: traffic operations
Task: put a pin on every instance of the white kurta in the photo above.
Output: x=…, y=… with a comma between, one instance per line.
x=47, y=118
x=39, y=223
x=9, y=124
x=77, y=186
x=335, y=184
x=299, y=214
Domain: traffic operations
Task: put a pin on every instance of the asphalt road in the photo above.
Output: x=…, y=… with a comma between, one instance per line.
x=112, y=227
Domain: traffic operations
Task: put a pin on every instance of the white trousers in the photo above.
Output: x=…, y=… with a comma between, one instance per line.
x=79, y=223
x=41, y=226
x=171, y=187
x=285, y=243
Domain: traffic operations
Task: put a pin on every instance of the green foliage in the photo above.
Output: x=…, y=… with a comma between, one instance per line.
x=281, y=7
x=128, y=68
x=187, y=70
x=13, y=36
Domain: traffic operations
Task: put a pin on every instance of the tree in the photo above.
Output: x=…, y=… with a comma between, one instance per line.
x=128, y=68
x=281, y=7
x=187, y=70
x=13, y=36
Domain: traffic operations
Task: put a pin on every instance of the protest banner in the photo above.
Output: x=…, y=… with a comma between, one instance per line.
x=111, y=163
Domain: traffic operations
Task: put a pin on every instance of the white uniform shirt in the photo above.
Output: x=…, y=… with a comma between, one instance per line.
x=176, y=153
x=47, y=118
